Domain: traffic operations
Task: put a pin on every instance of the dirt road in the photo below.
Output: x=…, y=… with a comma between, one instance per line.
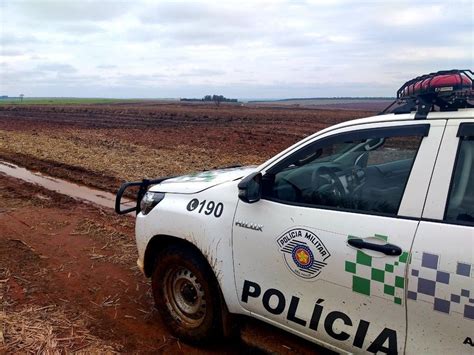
x=68, y=279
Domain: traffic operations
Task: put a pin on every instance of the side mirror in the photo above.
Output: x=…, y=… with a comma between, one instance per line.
x=250, y=188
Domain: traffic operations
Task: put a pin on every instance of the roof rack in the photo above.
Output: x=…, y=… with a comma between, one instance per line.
x=446, y=90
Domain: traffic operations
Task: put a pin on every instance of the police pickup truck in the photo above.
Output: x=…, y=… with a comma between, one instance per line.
x=359, y=238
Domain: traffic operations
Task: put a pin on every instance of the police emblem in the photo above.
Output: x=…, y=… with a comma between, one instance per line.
x=304, y=253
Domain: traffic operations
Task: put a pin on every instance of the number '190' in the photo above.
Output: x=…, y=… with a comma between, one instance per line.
x=206, y=207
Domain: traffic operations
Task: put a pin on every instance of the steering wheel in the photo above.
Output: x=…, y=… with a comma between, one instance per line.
x=358, y=173
x=336, y=185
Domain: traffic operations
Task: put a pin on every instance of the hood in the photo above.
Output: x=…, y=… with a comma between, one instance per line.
x=189, y=184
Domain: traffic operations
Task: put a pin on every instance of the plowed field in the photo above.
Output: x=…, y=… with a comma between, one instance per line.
x=102, y=145
x=69, y=282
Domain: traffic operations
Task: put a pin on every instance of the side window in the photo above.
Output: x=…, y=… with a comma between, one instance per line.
x=460, y=204
x=360, y=172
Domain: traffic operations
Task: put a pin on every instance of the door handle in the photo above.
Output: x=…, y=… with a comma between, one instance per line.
x=387, y=249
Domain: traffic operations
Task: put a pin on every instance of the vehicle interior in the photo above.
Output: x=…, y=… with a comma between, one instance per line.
x=461, y=197
x=368, y=175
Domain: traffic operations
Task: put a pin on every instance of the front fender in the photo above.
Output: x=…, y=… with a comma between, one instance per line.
x=191, y=218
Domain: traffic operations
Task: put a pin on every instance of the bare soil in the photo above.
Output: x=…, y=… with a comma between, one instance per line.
x=68, y=280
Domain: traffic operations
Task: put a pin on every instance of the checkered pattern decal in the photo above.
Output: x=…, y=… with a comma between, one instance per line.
x=449, y=288
x=374, y=277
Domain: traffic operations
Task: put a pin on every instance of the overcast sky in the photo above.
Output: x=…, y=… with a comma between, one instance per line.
x=244, y=49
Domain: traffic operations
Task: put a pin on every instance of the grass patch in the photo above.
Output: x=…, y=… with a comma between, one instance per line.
x=64, y=101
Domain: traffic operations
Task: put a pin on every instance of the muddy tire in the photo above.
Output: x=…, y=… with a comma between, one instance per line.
x=186, y=295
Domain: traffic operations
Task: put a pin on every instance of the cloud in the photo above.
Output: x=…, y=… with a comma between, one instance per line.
x=11, y=52
x=413, y=16
x=67, y=11
x=438, y=53
x=189, y=35
x=260, y=48
x=8, y=38
x=56, y=67
x=203, y=72
x=208, y=13
x=106, y=66
x=11, y=78
x=140, y=77
x=143, y=33
x=80, y=28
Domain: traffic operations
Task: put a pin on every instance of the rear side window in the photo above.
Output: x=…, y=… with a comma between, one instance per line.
x=460, y=205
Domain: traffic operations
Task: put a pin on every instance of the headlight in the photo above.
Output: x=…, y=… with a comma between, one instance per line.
x=150, y=200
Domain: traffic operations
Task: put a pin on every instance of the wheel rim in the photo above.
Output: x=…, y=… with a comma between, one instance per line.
x=185, y=297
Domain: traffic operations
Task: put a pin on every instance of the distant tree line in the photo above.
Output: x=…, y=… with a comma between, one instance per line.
x=217, y=99
x=6, y=97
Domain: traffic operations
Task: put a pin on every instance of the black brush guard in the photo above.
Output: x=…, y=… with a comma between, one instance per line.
x=143, y=188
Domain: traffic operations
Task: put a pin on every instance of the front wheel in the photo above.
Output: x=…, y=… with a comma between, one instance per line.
x=187, y=295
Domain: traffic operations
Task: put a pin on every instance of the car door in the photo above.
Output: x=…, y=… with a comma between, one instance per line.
x=441, y=273
x=323, y=253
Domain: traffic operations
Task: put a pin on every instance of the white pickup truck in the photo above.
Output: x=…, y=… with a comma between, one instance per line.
x=359, y=238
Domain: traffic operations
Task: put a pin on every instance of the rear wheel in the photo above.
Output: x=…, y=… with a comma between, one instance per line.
x=187, y=295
